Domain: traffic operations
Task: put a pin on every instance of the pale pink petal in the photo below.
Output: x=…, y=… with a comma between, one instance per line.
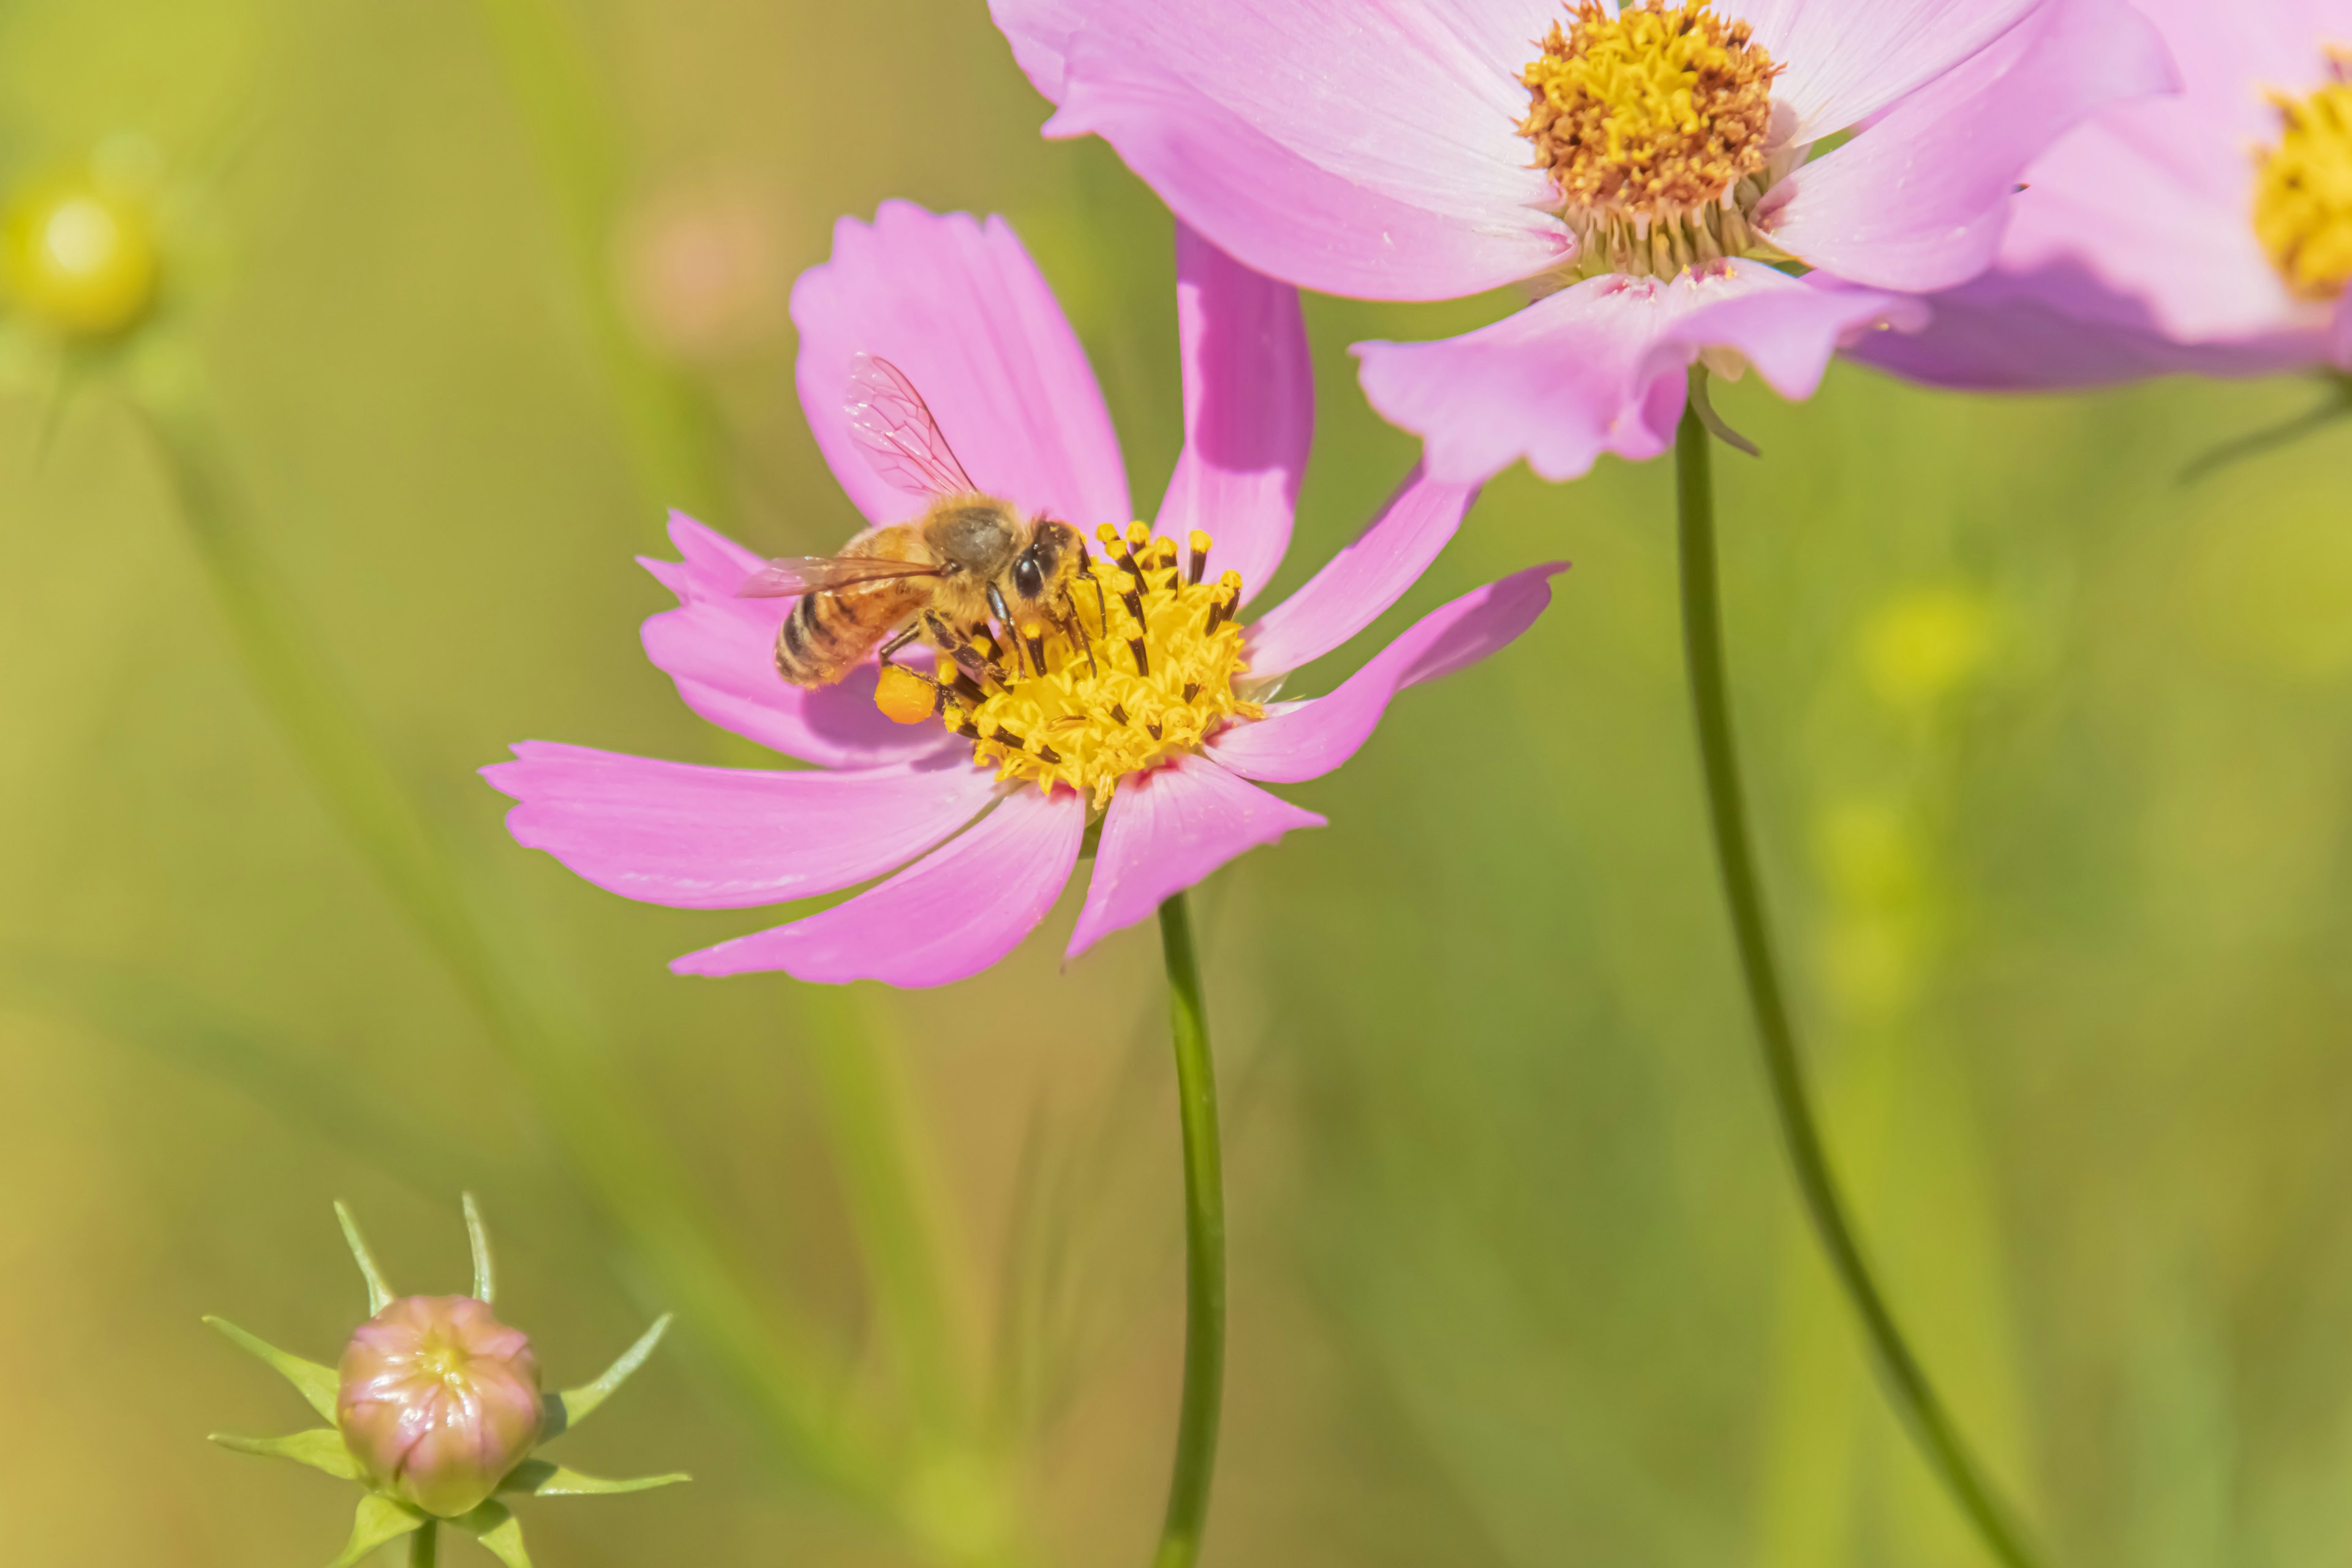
x=1039, y=32
x=959, y=306
x=717, y=839
x=1307, y=739
x=1249, y=411
x=2339, y=335
x=2059, y=327
x=1167, y=830
x=721, y=651
x=1364, y=579
x=1600, y=367
x=1920, y=199
x=1360, y=147
x=2153, y=197
x=947, y=916
x=1843, y=60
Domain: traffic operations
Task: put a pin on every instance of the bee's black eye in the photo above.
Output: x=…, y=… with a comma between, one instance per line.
x=1028, y=577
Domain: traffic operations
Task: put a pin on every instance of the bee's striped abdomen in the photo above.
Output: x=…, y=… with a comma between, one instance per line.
x=825, y=635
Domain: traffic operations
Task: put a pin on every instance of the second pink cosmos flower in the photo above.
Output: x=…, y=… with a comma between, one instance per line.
x=979, y=859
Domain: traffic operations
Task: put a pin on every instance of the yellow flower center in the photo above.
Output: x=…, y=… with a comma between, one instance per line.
x=2303, y=193
x=1654, y=125
x=80, y=259
x=1152, y=676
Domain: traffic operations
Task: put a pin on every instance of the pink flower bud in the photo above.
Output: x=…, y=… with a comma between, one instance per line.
x=439, y=1401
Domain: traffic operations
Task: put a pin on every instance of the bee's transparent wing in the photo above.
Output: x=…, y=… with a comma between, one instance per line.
x=783, y=578
x=894, y=429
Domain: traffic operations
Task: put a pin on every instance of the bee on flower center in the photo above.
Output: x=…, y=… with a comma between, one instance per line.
x=1656, y=125
x=971, y=559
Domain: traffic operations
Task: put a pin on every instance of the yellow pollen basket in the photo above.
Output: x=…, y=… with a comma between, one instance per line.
x=1654, y=126
x=2303, y=193
x=1156, y=682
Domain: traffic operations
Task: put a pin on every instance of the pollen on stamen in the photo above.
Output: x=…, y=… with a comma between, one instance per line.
x=1136, y=679
x=2302, y=190
x=1656, y=125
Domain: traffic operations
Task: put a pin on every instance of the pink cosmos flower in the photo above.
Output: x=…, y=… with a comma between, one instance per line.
x=1647, y=172
x=2210, y=232
x=977, y=851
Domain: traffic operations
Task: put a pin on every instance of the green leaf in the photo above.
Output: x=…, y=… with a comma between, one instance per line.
x=321, y=1449
x=317, y=1383
x=573, y=1405
x=542, y=1478
x=379, y=1519
x=500, y=1533
x=478, y=1235
x=379, y=1293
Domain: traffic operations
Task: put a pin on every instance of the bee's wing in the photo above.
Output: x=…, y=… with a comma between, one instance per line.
x=895, y=431
x=818, y=573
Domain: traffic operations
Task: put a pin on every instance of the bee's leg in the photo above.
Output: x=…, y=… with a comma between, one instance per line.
x=960, y=648
x=1004, y=618
x=895, y=644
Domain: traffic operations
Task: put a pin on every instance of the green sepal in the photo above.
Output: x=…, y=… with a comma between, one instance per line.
x=573, y=1405
x=316, y=1384
x=379, y=1519
x=321, y=1449
x=379, y=1292
x=499, y=1532
x=478, y=1239
x=543, y=1477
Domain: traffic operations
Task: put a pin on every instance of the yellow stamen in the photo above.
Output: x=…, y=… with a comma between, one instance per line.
x=2303, y=194
x=1654, y=125
x=1137, y=691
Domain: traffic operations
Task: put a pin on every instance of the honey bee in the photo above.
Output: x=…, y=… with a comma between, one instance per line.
x=942, y=576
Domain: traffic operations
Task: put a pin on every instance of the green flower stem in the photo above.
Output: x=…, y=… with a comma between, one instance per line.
x=760, y=1348
x=424, y=1546
x=1204, y=1246
x=1905, y=1379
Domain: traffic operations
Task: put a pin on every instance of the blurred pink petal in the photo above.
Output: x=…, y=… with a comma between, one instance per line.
x=1599, y=367
x=1300, y=741
x=1919, y=200
x=1364, y=579
x=1167, y=830
x=1251, y=122
x=1847, y=59
x=1249, y=411
x=721, y=651
x=2131, y=251
x=947, y=916
x=959, y=306
x=721, y=839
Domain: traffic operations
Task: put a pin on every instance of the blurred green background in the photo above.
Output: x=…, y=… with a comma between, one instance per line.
x=2050, y=753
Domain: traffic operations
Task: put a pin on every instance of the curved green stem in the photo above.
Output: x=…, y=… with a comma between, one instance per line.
x=1204, y=1247
x=1905, y=1379
x=424, y=1546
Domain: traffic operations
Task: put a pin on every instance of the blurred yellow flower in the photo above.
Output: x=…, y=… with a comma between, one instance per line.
x=1925, y=644
x=80, y=257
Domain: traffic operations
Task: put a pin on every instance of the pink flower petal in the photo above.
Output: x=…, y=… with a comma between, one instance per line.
x=1920, y=199
x=2151, y=200
x=1364, y=579
x=960, y=307
x=1300, y=741
x=1249, y=411
x=721, y=651
x=947, y=916
x=2060, y=327
x=720, y=838
x=1846, y=60
x=1361, y=147
x=1599, y=367
x=1167, y=830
